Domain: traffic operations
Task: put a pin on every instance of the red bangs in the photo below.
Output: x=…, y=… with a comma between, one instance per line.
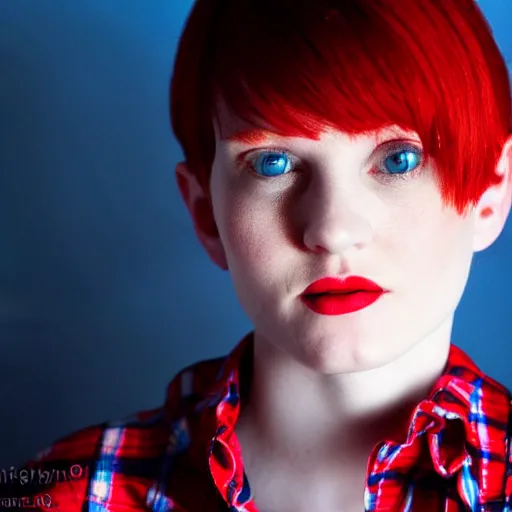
x=302, y=70
x=355, y=66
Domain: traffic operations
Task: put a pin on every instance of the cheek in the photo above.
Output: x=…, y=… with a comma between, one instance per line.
x=432, y=245
x=251, y=230
x=256, y=253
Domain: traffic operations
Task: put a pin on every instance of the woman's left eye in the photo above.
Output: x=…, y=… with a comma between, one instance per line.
x=401, y=161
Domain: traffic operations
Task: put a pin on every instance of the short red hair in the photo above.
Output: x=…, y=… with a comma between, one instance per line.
x=355, y=65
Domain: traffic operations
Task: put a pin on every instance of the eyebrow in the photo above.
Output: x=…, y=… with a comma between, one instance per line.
x=253, y=136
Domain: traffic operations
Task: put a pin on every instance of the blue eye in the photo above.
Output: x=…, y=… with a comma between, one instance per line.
x=403, y=161
x=272, y=163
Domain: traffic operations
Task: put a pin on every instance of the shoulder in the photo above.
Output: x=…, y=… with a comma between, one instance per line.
x=66, y=475
x=482, y=389
x=112, y=463
x=495, y=391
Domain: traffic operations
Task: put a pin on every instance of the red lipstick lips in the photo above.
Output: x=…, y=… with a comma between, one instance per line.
x=335, y=296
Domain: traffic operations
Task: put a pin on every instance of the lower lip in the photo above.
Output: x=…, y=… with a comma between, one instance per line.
x=342, y=303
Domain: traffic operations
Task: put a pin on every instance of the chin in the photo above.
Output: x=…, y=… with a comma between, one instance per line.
x=355, y=350
x=340, y=354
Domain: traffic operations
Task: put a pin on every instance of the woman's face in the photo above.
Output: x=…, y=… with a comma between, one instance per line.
x=290, y=211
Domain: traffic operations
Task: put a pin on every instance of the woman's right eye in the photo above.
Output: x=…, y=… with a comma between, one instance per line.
x=271, y=163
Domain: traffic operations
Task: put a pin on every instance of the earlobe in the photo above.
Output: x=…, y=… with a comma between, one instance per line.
x=199, y=206
x=493, y=208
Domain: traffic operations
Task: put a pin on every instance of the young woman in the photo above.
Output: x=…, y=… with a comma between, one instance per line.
x=344, y=160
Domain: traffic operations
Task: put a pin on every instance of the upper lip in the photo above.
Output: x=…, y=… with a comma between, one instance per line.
x=342, y=285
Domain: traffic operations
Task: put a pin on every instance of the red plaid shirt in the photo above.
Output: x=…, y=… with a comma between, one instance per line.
x=185, y=456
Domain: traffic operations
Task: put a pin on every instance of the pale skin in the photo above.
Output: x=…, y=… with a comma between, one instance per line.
x=326, y=390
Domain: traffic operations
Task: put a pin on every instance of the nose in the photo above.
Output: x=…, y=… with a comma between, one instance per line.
x=336, y=221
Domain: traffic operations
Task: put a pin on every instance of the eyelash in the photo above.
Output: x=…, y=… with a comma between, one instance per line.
x=247, y=159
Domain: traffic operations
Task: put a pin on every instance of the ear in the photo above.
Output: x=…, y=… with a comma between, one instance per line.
x=492, y=209
x=199, y=205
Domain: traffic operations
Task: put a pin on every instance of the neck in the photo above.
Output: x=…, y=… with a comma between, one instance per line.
x=292, y=409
